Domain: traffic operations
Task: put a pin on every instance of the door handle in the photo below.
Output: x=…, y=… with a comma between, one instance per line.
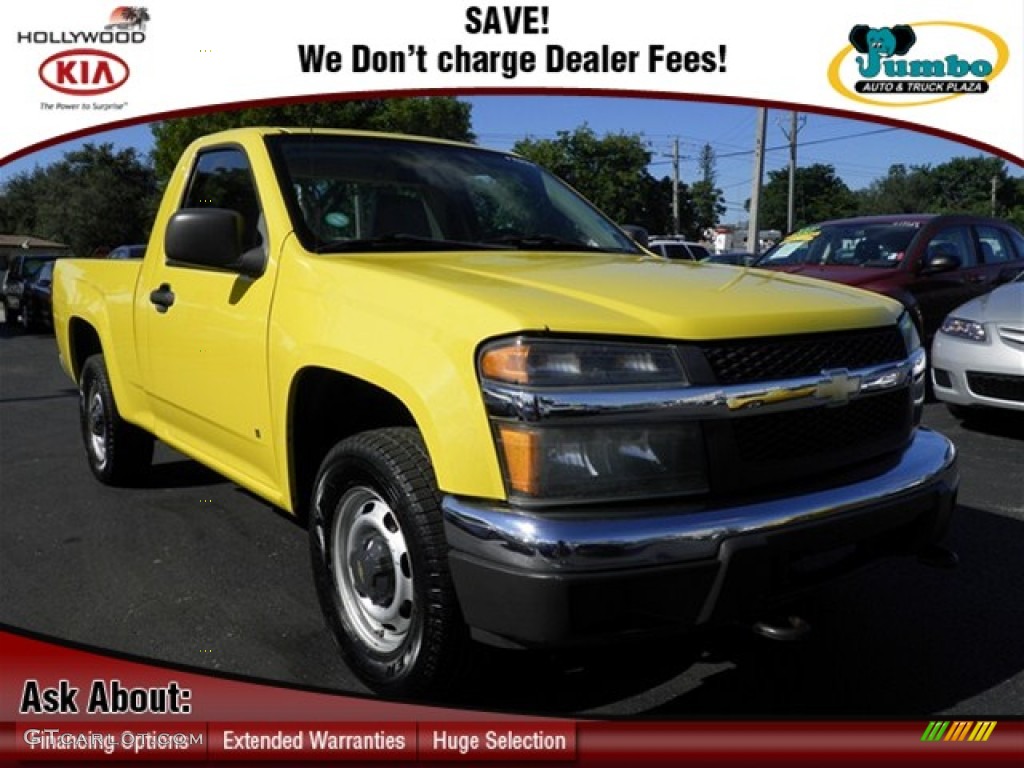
x=162, y=297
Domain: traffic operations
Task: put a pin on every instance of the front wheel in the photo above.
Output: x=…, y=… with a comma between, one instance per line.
x=381, y=567
x=118, y=452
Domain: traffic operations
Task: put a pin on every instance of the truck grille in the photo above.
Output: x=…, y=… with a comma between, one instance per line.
x=867, y=424
x=998, y=387
x=753, y=451
x=736, y=362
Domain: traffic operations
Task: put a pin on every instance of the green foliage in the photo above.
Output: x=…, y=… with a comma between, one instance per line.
x=93, y=198
x=708, y=200
x=962, y=185
x=819, y=195
x=901, y=191
x=442, y=117
x=708, y=205
x=610, y=171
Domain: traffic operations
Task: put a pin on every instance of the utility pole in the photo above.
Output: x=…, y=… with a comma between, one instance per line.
x=753, y=230
x=995, y=186
x=791, y=134
x=675, y=186
x=676, y=158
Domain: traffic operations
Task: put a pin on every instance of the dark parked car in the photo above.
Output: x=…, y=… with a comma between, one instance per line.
x=735, y=258
x=127, y=252
x=22, y=269
x=930, y=263
x=37, y=299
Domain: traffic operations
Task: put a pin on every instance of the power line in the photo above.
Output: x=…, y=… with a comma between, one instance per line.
x=818, y=141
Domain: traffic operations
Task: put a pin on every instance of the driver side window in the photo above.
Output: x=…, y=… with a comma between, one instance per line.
x=955, y=241
x=221, y=178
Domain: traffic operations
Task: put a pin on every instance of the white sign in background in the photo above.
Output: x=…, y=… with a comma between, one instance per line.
x=205, y=54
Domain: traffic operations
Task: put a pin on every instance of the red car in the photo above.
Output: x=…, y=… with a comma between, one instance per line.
x=930, y=263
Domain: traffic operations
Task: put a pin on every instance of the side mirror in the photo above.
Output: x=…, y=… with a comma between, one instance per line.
x=638, y=233
x=940, y=260
x=206, y=237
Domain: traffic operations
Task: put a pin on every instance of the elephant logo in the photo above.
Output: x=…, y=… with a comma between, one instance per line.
x=880, y=43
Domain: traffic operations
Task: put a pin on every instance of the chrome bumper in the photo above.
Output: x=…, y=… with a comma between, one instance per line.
x=587, y=540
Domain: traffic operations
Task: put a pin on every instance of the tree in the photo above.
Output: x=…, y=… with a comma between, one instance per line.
x=820, y=195
x=94, y=197
x=610, y=171
x=961, y=185
x=1016, y=213
x=900, y=191
x=100, y=198
x=708, y=200
x=964, y=185
x=443, y=117
x=18, y=203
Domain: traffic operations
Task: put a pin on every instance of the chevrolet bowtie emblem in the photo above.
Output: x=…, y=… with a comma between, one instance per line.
x=837, y=386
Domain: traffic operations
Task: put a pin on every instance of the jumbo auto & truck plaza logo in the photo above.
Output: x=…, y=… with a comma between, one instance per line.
x=85, y=70
x=919, y=63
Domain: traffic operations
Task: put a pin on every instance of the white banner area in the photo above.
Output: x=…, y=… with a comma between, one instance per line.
x=947, y=66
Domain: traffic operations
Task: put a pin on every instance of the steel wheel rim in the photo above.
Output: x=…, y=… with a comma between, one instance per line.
x=372, y=570
x=96, y=423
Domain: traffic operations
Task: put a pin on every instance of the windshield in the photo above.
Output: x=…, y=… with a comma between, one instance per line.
x=857, y=245
x=349, y=193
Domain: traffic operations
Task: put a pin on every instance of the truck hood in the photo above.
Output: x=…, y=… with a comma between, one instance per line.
x=496, y=292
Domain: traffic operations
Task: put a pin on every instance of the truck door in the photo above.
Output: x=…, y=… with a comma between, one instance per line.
x=204, y=335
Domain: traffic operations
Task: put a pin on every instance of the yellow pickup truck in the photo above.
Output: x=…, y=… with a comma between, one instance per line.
x=503, y=420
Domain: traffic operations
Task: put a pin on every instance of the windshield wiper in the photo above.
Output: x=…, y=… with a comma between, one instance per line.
x=548, y=242
x=400, y=242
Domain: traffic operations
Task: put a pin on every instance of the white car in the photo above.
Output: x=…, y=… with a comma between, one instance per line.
x=675, y=248
x=978, y=353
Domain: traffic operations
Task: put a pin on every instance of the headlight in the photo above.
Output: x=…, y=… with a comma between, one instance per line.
x=574, y=455
x=598, y=463
x=918, y=380
x=551, y=363
x=911, y=338
x=963, y=329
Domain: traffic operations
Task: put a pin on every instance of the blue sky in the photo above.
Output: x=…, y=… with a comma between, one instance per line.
x=860, y=151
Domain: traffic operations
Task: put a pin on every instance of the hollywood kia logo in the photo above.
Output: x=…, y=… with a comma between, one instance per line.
x=926, y=62
x=84, y=72
x=89, y=71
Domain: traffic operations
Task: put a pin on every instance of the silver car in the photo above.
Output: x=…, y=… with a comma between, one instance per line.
x=978, y=353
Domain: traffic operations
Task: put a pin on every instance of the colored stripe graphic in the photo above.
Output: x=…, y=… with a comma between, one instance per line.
x=982, y=731
x=959, y=730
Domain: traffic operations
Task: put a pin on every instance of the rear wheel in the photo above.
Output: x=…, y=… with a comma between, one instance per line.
x=118, y=452
x=381, y=567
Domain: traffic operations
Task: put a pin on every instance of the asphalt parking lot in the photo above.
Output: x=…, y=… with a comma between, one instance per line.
x=192, y=570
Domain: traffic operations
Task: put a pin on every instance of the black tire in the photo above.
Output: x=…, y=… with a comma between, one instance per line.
x=119, y=453
x=380, y=564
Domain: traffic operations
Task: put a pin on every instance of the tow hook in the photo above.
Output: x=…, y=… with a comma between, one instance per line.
x=938, y=556
x=786, y=629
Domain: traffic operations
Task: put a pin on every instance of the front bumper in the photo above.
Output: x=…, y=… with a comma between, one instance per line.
x=579, y=574
x=955, y=361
